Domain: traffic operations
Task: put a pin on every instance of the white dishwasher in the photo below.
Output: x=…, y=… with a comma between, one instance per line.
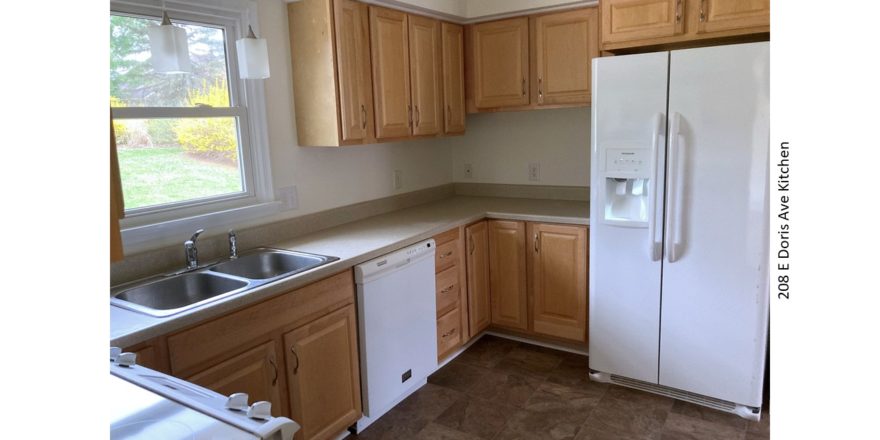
x=397, y=319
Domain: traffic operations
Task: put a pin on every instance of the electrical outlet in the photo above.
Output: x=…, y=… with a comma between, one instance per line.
x=398, y=179
x=288, y=197
x=468, y=171
x=534, y=172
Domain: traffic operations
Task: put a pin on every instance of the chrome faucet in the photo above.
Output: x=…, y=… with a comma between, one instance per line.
x=233, y=245
x=192, y=253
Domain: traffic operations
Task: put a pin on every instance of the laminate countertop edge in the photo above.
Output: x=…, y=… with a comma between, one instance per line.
x=354, y=243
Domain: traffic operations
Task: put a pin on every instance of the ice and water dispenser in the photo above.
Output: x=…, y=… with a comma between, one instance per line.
x=627, y=173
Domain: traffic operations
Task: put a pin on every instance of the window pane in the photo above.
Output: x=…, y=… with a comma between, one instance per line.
x=134, y=83
x=164, y=161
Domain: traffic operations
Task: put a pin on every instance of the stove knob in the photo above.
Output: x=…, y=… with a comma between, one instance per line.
x=237, y=402
x=126, y=359
x=260, y=410
x=114, y=353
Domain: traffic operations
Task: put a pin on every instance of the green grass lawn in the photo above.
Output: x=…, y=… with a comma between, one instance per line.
x=153, y=176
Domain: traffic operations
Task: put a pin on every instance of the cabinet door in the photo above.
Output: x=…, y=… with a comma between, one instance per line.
x=501, y=63
x=390, y=59
x=323, y=375
x=254, y=372
x=117, y=208
x=453, y=78
x=353, y=70
x=507, y=274
x=726, y=15
x=565, y=45
x=479, y=314
x=425, y=55
x=628, y=20
x=558, y=263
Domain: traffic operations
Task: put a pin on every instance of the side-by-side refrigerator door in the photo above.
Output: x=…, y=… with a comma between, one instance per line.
x=626, y=214
x=715, y=297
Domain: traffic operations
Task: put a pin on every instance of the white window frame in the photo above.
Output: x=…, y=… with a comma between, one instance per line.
x=153, y=227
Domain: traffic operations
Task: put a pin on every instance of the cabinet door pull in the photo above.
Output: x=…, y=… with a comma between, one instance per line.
x=702, y=11
x=274, y=370
x=449, y=113
x=448, y=334
x=448, y=254
x=447, y=290
x=409, y=113
x=418, y=116
x=536, y=243
x=471, y=244
x=678, y=11
x=295, y=356
x=364, y=116
x=540, y=90
x=524, y=87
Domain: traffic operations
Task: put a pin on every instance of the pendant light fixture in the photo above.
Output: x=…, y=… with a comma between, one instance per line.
x=168, y=47
x=253, y=56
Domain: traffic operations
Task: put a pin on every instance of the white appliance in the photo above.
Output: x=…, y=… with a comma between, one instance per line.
x=679, y=224
x=397, y=319
x=147, y=405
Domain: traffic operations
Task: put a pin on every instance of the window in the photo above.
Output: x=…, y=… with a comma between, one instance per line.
x=185, y=144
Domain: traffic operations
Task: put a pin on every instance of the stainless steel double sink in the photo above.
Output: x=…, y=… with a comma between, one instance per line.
x=165, y=295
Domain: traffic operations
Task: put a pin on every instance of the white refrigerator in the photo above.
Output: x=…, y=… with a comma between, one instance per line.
x=679, y=295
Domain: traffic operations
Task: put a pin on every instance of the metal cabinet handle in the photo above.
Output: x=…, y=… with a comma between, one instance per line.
x=274, y=370
x=447, y=290
x=540, y=89
x=449, y=113
x=536, y=242
x=410, y=114
x=524, y=87
x=295, y=356
x=678, y=11
x=448, y=254
x=364, y=115
x=448, y=334
x=702, y=11
x=418, y=116
x=471, y=244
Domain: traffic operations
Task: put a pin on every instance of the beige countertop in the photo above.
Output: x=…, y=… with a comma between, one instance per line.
x=354, y=243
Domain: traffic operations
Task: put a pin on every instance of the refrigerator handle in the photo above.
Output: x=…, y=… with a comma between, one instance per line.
x=654, y=246
x=673, y=190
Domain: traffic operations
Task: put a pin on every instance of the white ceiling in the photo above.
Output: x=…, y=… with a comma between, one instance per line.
x=471, y=11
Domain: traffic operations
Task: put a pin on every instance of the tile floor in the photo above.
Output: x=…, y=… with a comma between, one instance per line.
x=504, y=390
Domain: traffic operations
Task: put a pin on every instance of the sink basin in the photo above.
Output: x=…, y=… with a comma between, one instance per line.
x=268, y=264
x=177, y=293
x=169, y=294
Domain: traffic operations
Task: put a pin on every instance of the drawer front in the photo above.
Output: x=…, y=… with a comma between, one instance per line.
x=447, y=290
x=448, y=332
x=446, y=255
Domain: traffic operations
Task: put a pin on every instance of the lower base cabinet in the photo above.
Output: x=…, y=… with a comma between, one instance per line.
x=323, y=375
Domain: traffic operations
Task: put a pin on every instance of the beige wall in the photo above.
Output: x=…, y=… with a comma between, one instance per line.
x=330, y=177
x=500, y=146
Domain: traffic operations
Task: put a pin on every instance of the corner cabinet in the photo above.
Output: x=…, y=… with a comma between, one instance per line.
x=631, y=24
x=332, y=86
x=507, y=274
x=477, y=257
x=500, y=63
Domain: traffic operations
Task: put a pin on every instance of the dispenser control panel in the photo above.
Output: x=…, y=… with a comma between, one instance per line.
x=628, y=161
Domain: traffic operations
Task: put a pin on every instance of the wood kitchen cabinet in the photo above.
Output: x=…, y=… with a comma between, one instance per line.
x=426, y=75
x=499, y=63
x=323, y=374
x=117, y=208
x=479, y=306
x=558, y=280
x=452, y=314
x=564, y=45
x=391, y=72
x=507, y=273
x=297, y=350
x=631, y=24
x=254, y=372
x=453, y=78
x=332, y=82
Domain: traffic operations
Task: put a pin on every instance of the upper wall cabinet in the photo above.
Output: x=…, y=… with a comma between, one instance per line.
x=425, y=54
x=532, y=62
x=390, y=50
x=332, y=86
x=564, y=46
x=629, y=24
x=453, y=78
x=500, y=63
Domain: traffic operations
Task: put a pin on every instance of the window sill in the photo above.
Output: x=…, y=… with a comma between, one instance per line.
x=153, y=236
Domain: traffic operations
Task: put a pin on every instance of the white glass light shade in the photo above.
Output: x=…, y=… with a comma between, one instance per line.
x=169, y=49
x=253, y=57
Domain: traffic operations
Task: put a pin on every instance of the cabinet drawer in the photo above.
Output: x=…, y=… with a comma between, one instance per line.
x=448, y=332
x=446, y=255
x=447, y=290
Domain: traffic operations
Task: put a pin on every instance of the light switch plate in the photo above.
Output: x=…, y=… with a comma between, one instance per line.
x=288, y=197
x=534, y=172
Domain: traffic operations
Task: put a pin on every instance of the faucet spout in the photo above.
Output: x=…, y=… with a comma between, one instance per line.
x=191, y=251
